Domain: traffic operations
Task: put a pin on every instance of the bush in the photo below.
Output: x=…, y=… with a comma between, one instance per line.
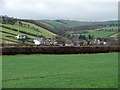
x=58, y=50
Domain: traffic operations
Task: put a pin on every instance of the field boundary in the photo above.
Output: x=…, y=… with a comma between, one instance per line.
x=59, y=50
x=111, y=34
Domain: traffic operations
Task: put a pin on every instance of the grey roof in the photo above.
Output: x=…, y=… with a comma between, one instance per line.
x=37, y=38
x=21, y=35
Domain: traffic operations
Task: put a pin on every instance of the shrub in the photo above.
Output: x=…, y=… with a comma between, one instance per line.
x=58, y=50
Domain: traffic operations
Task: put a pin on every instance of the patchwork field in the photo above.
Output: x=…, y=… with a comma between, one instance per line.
x=101, y=32
x=61, y=71
x=10, y=31
x=98, y=34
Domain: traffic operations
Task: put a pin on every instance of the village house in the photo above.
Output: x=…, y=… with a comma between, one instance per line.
x=69, y=44
x=97, y=41
x=20, y=37
x=60, y=45
x=44, y=41
x=53, y=41
x=38, y=41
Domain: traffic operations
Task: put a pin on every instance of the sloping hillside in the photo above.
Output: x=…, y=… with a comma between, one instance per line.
x=30, y=30
x=64, y=23
x=70, y=24
x=53, y=23
x=96, y=29
x=12, y=27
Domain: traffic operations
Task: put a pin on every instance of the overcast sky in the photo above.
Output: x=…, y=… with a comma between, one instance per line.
x=61, y=9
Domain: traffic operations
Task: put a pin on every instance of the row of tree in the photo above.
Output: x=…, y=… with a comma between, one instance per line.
x=8, y=20
x=83, y=37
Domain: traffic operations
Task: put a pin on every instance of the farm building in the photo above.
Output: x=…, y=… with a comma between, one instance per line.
x=38, y=41
x=20, y=37
x=44, y=41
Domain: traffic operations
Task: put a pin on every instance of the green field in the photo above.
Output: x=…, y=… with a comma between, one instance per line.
x=115, y=35
x=31, y=33
x=61, y=71
x=95, y=33
x=70, y=23
x=34, y=31
x=42, y=31
x=98, y=34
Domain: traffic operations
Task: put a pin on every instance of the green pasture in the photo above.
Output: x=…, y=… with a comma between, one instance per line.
x=8, y=42
x=22, y=28
x=5, y=34
x=99, y=34
x=95, y=33
x=48, y=25
x=11, y=37
x=60, y=71
x=53, y=23
x=42, y=31
x=70, y=23
x=115, y=35
x=17, y=33
x=65, y=23
x=45, y=32
x=116, y=28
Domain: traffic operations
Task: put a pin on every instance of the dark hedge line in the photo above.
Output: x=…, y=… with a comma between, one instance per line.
x=58, y=50
x=10, y=40
x=8, y=33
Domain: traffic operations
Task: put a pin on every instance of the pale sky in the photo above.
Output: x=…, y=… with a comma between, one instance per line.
x=87, y=10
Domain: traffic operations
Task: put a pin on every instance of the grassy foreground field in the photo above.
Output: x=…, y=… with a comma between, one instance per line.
x=61, y=71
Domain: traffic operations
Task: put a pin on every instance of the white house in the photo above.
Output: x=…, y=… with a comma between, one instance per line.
x=44, y=41
x=100, y=42
x=53, y=42
x=104, y=43
x=38, y=41
x=20, y=36
x=69, y=44
x=60, y=44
